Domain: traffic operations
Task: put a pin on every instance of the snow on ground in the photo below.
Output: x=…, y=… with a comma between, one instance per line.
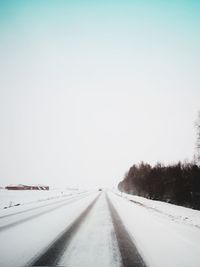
x=165, y=234
x=161, y=240
x=25, y=240
x=95, y=242
x=10, y=198
x=177, y=213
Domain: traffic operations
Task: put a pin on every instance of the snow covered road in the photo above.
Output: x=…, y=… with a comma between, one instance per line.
x=24, y=235
x=96, y=229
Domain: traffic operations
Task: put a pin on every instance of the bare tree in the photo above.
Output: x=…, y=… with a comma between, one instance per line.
x=197, y=124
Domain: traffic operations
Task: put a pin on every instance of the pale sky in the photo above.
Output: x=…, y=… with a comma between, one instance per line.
x=88, y=88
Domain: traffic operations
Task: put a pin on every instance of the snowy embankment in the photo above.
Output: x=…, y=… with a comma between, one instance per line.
x=13, y=198
x=165, y=234
x=176, y=213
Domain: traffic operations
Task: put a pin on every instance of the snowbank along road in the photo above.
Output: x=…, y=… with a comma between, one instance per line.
x=95, y=229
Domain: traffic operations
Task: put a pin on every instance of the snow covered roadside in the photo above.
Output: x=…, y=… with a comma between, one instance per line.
x=161, y=241
x=177, y=213
x=12, y=198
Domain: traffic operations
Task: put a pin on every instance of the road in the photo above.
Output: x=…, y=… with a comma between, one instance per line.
x=92, y=229
x=80, y=231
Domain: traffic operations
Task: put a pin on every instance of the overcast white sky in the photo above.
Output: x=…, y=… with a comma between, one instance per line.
x=89, y=88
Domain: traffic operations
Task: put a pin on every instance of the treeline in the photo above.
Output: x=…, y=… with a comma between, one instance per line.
x=178, y=184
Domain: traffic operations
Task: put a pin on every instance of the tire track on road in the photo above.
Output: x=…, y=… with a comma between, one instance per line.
x=41, y=206
x=129, y=253
x=66, y=202
x=52, y=254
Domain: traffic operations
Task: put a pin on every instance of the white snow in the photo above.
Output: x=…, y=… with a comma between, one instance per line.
x=161, y=240
x=95, y=243
x=10, y=198
x=165, y=234
x=177, y=213
x=20, y=243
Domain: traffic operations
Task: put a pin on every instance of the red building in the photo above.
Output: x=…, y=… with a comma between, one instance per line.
x=27, y=187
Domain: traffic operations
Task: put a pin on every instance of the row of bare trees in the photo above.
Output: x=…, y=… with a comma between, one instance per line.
x=178, y=183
